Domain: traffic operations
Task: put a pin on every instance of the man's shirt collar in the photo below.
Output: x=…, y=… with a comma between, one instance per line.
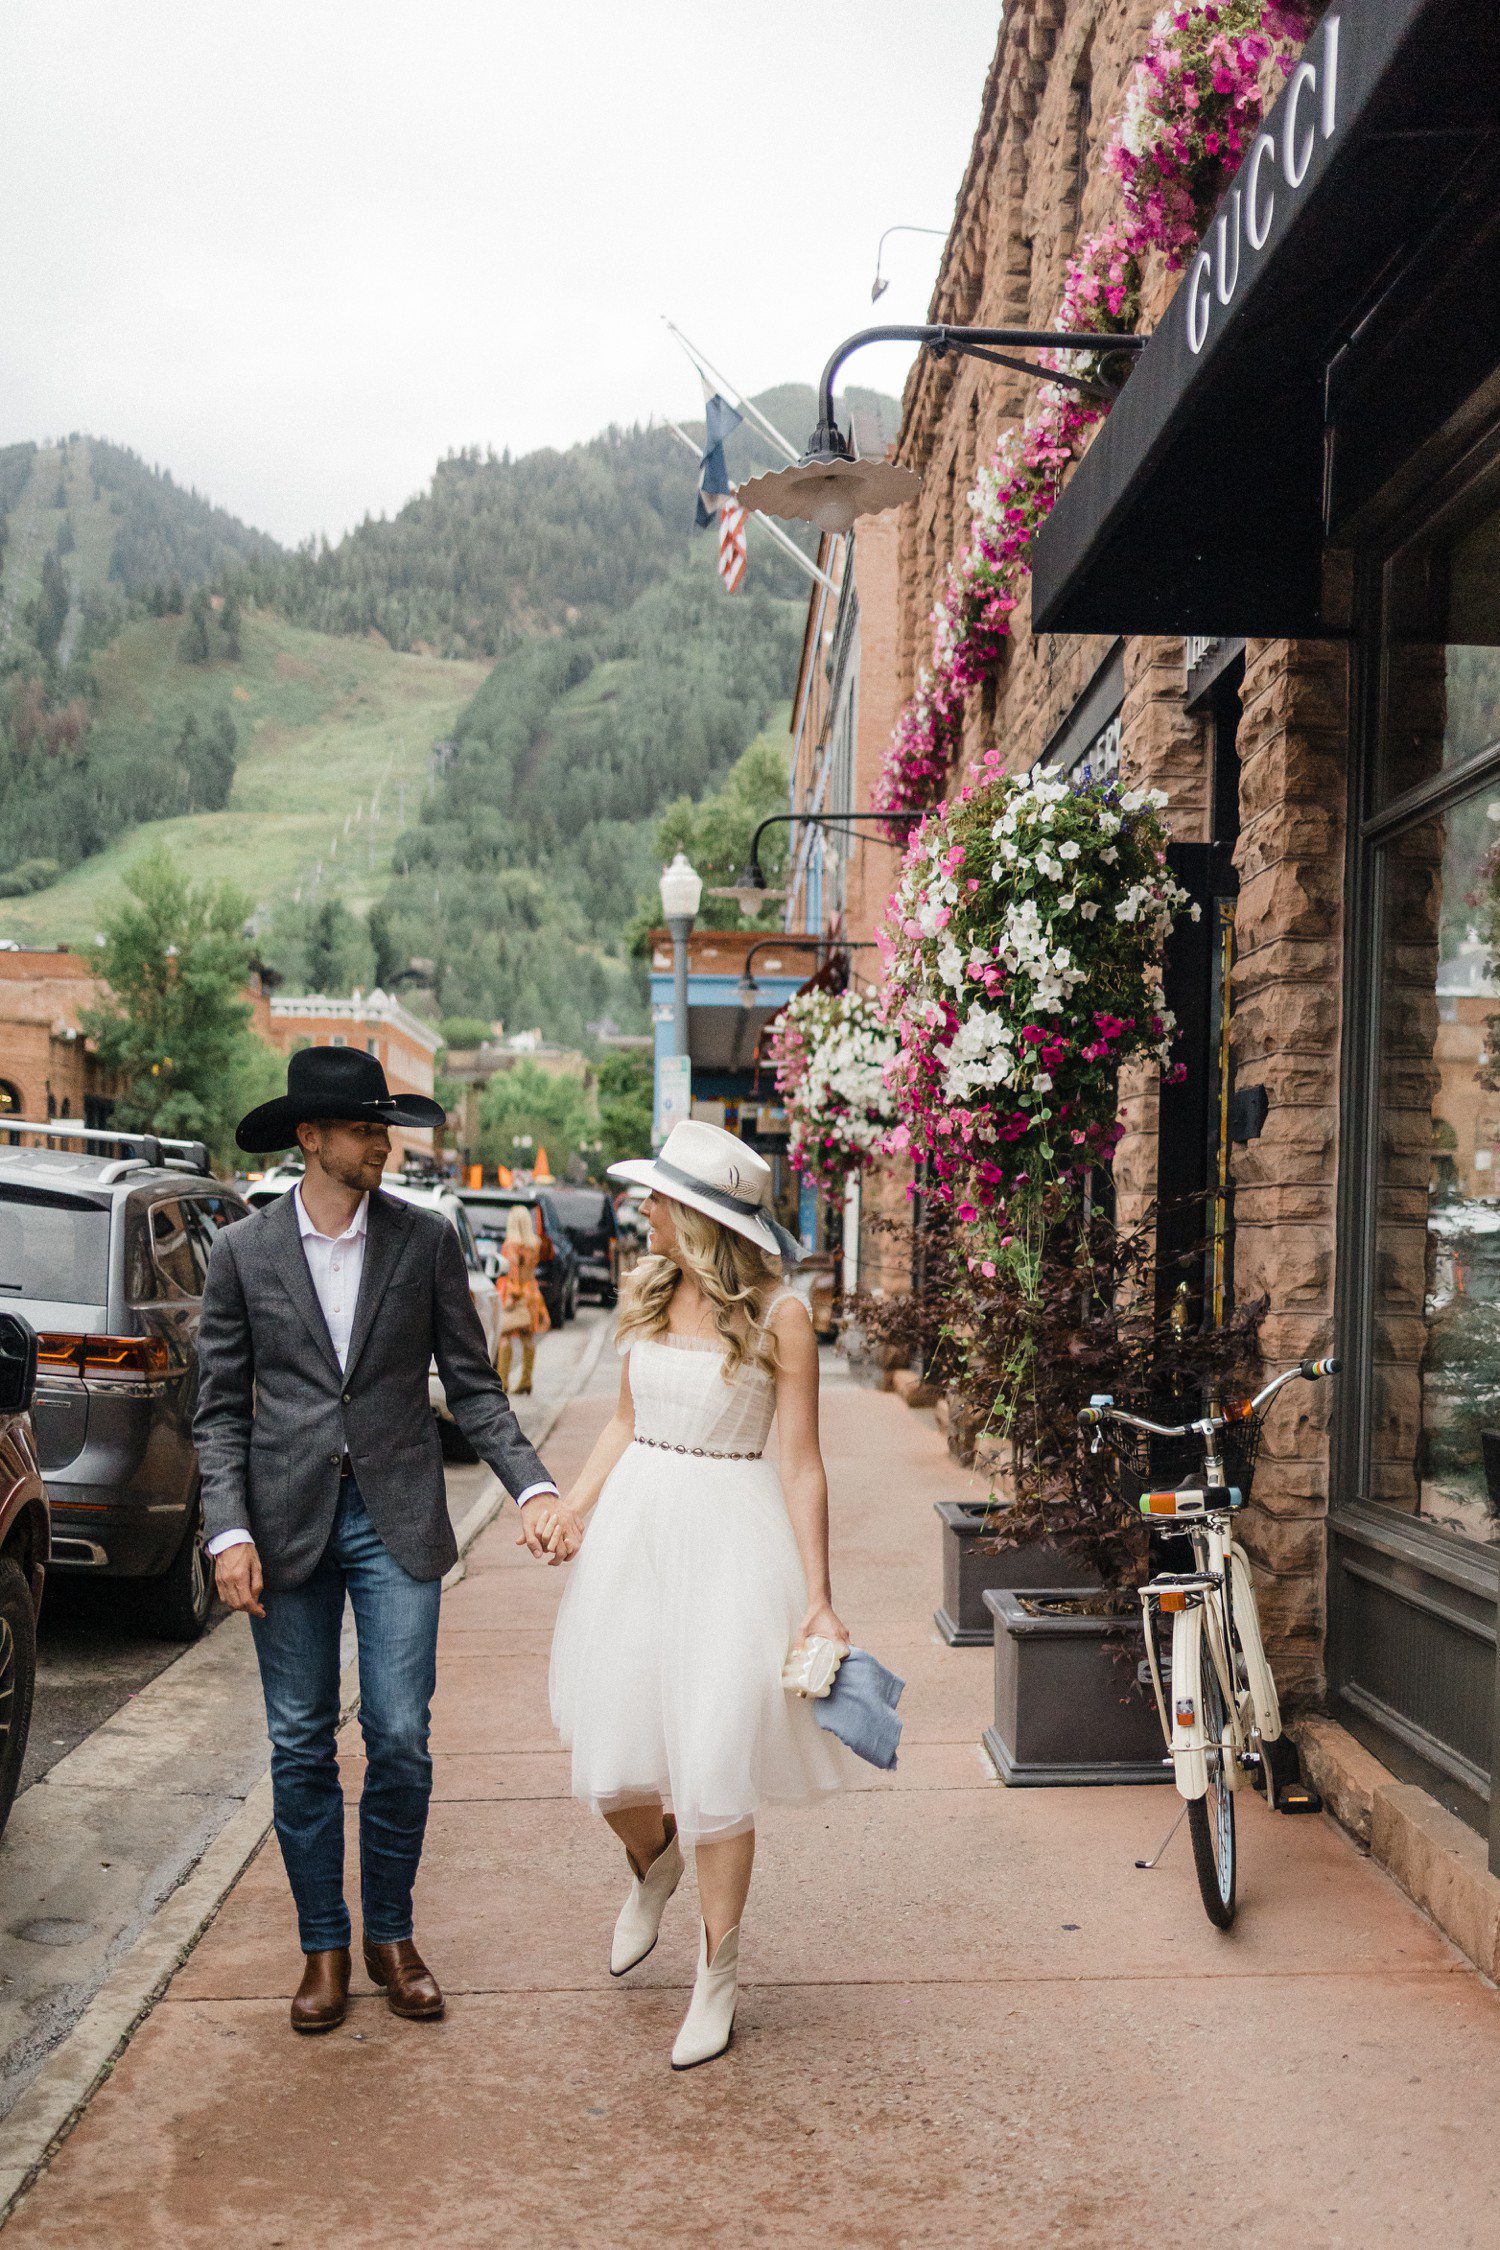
x=356, y=1227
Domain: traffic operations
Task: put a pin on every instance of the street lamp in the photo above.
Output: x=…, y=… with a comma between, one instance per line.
x=681, y=894
x=879, y=285
x=831, y=488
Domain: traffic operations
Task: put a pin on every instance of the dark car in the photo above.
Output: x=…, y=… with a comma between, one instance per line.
x=490, y=1207
x=23, y=1548
x=588, y=1216
x=105, y=1253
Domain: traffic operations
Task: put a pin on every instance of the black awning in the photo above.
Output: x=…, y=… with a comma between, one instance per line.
x=1202, y=504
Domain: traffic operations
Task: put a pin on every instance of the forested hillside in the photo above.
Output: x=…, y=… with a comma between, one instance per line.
x=535, y=848
x=497, y=550
x=310, y=722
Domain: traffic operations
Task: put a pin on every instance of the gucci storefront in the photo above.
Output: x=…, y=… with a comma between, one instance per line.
x=1305, y=465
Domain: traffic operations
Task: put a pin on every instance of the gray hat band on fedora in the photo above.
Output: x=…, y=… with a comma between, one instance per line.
x=709, y=1169
x=742, y=1205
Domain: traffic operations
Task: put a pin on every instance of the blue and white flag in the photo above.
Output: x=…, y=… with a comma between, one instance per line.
x=720, y=422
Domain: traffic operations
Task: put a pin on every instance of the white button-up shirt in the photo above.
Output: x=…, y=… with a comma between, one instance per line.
x=337, y=1263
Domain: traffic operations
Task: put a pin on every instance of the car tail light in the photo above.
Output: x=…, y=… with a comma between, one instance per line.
x=104, y=1357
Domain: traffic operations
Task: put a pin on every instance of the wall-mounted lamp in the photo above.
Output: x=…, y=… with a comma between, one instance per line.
x=829, y=487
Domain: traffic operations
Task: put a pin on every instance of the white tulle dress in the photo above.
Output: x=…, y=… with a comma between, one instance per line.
x=682, y=1604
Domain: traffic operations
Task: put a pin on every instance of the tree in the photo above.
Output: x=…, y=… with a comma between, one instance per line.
x=193, y=644
x=175, y=1031
x=320, y=948
x=49, y=612
x=625, y=1104
x=555, y=1111
x=716, y=832
x=230, y=621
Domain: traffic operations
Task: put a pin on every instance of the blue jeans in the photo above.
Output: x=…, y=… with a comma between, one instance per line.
x=297, y=1644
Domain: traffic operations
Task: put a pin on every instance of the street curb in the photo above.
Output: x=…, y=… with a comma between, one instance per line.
x=52, y=2104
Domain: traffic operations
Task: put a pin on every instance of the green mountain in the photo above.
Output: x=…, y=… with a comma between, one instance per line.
x=532, y=852
x=118, y=533
x=309, y=723
x=497, y=550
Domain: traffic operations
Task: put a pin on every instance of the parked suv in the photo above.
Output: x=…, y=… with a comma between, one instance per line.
x=588, y=1215
x=557, y=1274
x=23, y=1548
x=104, y=1242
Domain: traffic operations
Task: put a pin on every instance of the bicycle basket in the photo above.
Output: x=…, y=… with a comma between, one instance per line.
x=1157, y=1464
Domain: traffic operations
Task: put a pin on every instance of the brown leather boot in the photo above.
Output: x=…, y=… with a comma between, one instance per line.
x=322, y=1998
x=410, y=1988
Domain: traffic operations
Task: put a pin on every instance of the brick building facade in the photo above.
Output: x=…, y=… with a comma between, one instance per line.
x=1342, y=499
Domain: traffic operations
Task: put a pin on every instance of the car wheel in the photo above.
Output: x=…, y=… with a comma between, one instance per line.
x=178, y=1604
x=17, y=1676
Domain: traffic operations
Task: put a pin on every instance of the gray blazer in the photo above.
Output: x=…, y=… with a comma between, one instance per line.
x=275, y=1415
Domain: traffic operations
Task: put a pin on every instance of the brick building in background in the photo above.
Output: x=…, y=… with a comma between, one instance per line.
x=1272, y=589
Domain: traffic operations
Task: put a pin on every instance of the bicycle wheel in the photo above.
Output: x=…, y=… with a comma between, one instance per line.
x=1211, y=1816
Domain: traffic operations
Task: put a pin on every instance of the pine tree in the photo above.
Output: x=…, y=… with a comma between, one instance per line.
x=193, y=645
x=229, y=625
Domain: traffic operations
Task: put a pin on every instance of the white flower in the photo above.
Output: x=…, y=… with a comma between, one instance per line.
x=1069, y=850
x=1110, y=856
x=1088, y=908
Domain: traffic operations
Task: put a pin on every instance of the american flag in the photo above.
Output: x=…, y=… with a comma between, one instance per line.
x=731, y=544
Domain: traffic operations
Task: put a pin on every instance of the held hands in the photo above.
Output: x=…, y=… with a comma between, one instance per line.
x=238, y=1576
x=550, y=1531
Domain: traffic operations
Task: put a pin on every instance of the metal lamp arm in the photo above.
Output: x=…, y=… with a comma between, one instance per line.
x=940, y=338
x=822, y=820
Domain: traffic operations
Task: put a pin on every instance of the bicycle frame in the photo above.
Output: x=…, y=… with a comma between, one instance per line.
x=1214, y=1609
x=1212, y=1606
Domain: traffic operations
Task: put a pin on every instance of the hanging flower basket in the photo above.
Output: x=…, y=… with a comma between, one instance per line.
x=831, y=1052
x=1023, y=950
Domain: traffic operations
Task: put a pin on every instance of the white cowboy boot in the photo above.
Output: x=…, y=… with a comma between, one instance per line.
x=708, y=2025
x=640, y=1916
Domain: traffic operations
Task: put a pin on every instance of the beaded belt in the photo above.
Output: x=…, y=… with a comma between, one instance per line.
x=699, y=1452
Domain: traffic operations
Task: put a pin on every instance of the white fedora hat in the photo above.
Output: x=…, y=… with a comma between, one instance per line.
x=716, y=1172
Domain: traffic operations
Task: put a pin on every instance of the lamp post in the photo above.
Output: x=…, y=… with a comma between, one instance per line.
x=681, y=893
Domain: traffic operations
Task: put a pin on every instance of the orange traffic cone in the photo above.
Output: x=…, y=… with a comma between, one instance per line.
x=542, y=1170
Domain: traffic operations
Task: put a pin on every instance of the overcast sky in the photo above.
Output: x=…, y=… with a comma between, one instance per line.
x=295, y=250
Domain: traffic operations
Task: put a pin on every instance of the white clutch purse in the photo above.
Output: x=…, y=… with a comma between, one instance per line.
x=812, y=1669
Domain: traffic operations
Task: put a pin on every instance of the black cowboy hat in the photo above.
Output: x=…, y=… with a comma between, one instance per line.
x=338, y=1082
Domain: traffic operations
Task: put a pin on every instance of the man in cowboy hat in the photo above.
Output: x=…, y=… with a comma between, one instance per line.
x=322, y=1478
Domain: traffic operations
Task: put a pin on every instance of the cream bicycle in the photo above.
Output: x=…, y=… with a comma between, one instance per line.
x=1219, y=1709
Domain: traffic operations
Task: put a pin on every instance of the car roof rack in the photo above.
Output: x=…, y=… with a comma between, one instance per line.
x=144, y=1148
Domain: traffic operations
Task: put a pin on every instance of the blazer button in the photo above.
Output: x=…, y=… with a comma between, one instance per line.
x=348, y=1398
x=334, y=1460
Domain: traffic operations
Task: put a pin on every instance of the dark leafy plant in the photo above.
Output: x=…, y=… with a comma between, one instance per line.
x=1021, y=1344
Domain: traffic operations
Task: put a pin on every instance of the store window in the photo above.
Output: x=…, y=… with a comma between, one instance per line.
x=1433, y=1430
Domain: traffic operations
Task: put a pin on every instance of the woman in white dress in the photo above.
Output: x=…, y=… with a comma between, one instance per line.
x=701, y=1567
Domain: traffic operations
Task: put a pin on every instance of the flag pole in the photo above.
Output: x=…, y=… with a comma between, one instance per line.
x=788, y=546
x=707, y=370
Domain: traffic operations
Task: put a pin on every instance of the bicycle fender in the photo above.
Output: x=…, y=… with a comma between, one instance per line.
x=1188, y=1741
x=1247, y=1627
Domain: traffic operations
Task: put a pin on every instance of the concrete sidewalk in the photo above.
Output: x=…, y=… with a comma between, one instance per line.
x=965, y=2013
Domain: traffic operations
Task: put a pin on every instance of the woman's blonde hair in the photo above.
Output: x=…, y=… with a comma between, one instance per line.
x=520, y=1226
x=735, y=1276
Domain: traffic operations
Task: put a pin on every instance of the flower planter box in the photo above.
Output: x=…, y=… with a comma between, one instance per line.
x=1067, y=1709
x=972, y=1565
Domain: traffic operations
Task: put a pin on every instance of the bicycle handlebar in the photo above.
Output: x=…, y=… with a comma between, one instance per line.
x=1102, y=1410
